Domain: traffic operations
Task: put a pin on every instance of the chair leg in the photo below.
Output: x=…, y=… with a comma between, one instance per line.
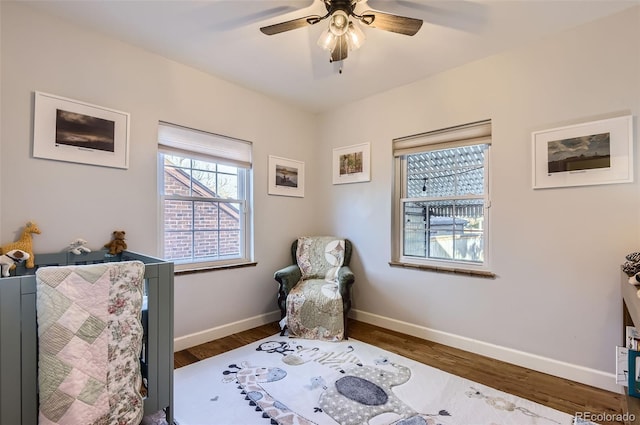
x=345, y=327
x=283, y=314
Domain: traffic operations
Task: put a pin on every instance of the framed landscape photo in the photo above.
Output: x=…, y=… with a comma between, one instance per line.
x=74, y=131
x=596, y=152
x=286, y=177
x=352, y=164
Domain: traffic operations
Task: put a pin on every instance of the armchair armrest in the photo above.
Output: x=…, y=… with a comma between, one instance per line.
x=288, y=277
x=345, y=280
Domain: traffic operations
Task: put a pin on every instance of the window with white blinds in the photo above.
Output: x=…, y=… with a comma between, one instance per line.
x=441, y=199
x=205, y=195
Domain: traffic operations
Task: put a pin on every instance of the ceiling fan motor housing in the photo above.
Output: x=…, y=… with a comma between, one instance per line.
x=345, y=5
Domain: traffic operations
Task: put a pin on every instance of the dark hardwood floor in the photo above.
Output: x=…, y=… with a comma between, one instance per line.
x=558, y=393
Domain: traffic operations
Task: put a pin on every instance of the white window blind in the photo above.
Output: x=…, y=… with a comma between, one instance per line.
x=175, y=139
x=453, y=137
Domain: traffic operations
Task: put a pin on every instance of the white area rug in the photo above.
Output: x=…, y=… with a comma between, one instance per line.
x=294, y=381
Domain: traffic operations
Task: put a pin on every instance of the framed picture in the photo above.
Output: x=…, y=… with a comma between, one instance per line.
x=286, y=177
x=74, y=131
x=352, y=164
x=597, y=152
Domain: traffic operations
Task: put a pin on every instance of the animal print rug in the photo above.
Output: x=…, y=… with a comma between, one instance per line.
x=285, y=381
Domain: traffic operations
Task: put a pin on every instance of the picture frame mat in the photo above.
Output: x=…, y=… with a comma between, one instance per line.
x=620, y=131
x=44, y=132
x=364, y=175
x=282, y=190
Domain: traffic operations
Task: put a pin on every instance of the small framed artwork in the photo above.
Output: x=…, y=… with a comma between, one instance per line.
x=286, y=177
x=596, y=152
x=352, y=164
x=74, y=131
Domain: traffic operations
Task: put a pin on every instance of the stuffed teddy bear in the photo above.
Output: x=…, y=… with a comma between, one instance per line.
x=117, y=244
x=78, y=246
x=11, y=258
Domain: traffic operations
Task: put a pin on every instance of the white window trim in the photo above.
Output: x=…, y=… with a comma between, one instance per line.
x=470, y=134
x=244, y=184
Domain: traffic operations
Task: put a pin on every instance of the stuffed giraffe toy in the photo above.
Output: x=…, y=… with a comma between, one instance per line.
x=24, y=243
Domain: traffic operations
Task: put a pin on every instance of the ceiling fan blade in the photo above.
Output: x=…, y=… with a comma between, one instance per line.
x=341, y=50
x=291, y=25
x=464, y=15
x=393, y=23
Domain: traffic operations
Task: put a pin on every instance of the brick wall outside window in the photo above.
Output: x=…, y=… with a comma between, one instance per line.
x=198, y=229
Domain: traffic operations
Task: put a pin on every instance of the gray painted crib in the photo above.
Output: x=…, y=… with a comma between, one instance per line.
x=18, y=335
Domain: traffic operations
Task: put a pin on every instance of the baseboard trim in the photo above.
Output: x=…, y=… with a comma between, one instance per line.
x=584, y=375
x=191, y=340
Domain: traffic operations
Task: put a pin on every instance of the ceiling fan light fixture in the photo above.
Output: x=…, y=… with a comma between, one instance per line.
x=339, y=23
x=327, y=40
x=343, y=35
x=355, y=37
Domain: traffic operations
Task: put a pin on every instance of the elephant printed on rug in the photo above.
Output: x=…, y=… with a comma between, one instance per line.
x=366, y=392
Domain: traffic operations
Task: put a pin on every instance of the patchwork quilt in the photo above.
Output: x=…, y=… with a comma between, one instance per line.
x=89, y=340
x=314, y=305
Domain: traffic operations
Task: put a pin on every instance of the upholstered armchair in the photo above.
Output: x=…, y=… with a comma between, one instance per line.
x=314, y=294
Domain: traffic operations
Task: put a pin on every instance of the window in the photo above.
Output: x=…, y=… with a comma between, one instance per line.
x=205, y=195
x=441, y=199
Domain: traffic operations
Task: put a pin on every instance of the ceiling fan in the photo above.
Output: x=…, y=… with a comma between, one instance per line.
x=343, y=35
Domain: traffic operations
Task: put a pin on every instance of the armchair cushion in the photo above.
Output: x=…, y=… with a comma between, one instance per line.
x=314, y=310
x=320, y=257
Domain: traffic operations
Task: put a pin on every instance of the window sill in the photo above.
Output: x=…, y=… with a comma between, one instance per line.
x=438, y=269
x=210, y=268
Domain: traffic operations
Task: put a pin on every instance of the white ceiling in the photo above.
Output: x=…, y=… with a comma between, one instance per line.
x=222, y=37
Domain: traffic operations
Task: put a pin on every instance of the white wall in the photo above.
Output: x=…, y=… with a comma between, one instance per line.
x=74, y=200
x=556, y=253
